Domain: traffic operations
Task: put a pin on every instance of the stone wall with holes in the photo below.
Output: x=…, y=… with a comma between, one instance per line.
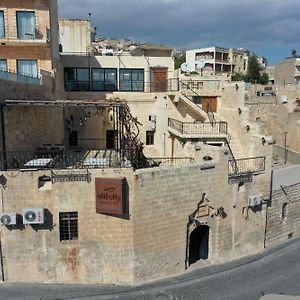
x=150, y=242
x=27, y=128
x=283, y=221
x=103, y=251
x=161, y=229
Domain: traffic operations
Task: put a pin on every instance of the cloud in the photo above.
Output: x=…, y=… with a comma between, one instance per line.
x=251, y=24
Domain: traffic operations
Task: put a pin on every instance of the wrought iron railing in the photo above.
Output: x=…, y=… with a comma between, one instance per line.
x=13, y=76
x=199, y=128
x=244, y=166
x=170, y=161
x=61, y=159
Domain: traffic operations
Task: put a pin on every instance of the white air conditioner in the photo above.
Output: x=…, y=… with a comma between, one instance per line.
x=33, y=216
x=254, y=201
x=8, y=218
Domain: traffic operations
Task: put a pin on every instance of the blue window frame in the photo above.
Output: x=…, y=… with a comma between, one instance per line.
x=132, y=80
x=2, y=25
x=27, y=67
x=104, y=79
x=26, y=25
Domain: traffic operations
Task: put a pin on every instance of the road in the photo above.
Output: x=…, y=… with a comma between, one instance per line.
x=277, y=271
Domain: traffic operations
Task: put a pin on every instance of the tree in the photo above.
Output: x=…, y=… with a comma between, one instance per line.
x=237, y=77
x=264, y=78
x=179, y=61
x=254, y=70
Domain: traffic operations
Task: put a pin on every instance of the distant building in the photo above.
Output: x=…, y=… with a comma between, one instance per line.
x=28, y=46
x=287, y=72
x=216, y=60
x=75, y=36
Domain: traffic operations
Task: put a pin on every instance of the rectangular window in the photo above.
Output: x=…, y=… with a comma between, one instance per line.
x=104, y=79
x=2, y=25
x=26, y=25
x=149, y=137
x=132, y=80
x=68, y=226
x=283, y=211
x=27, y=67
x=3, y=64
x=77, y=79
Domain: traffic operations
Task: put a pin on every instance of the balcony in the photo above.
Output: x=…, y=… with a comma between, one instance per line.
x=14, y=36
x=198, y=130
x=21, y=78
x=245, y=167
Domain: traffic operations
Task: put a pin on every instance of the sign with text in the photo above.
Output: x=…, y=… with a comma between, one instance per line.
x=110, y=196
x=203, y=211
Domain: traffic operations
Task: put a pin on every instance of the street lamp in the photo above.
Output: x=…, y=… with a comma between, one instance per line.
x=285, y=148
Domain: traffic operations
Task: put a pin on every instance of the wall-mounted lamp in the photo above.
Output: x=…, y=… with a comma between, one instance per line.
x=239, y=110
x=155, y=97
x=236, y=87
x=165, y=97
x=247, y=128
x=263, y=140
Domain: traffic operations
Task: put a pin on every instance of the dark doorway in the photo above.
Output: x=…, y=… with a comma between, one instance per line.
x=73, y=139
x=198, y=248
x=111, y=139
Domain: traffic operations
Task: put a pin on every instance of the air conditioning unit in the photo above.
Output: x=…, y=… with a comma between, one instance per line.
x=8, y=219
x=33, y=216
x=255, y=201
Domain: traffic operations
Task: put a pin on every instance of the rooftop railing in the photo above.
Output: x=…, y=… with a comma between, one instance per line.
x=26, y=33
x=244, y=166
x=22, y=78
x=205, y=129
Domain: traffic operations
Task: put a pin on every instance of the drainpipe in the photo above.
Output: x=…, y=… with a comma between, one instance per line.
x=1, y=251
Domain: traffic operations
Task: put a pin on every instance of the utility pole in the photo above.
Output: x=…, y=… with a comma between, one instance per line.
x=285, y=148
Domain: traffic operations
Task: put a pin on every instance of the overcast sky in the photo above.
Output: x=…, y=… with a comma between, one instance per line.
x=267, y=27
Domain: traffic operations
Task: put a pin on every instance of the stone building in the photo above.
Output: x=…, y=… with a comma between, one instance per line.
x=77, y=207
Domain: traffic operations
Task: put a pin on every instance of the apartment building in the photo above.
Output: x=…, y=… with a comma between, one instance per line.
x=216, y=60
x=287, y=72
x=28, y=37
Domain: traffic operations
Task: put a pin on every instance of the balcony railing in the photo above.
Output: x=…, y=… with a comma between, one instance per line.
x=205, y=129
x=60, y=159
x=26, y=34
x=22, y=78
x=244, y=166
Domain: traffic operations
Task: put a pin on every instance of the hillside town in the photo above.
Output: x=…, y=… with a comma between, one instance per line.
x=125, y=162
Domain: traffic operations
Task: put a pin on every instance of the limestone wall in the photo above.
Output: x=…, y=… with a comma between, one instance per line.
x=103, y=252
x=280, y=229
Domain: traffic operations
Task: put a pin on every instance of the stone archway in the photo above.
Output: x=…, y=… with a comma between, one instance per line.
x=199, y=244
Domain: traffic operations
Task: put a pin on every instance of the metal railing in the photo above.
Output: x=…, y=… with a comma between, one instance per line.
x=199, y=128
x=244, y=166
x=170, y=161
x=26, y=33
x=13, y=76
x=61, y=159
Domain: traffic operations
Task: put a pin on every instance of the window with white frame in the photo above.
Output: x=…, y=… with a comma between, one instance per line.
x=26, y=25
x=3, y=64
x=27, y=67
x=2, y=25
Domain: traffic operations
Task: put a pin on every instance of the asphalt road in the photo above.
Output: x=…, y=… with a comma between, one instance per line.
x=276, y=271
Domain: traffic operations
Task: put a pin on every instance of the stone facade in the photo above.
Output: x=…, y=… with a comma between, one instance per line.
x=150, y=242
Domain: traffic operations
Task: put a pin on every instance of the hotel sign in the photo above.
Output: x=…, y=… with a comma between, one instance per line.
x=110, y=196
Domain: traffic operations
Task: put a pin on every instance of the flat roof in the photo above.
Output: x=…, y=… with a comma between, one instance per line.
x=285, y=177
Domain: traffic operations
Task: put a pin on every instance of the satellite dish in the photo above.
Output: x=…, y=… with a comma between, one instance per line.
x=184, y=67
x=284, y=99
x=200, y=64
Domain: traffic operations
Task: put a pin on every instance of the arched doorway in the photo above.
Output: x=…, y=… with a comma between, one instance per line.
x=198, y=246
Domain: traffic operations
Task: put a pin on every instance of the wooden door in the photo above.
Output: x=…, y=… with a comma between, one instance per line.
x=159, y=79
x=209, y=102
